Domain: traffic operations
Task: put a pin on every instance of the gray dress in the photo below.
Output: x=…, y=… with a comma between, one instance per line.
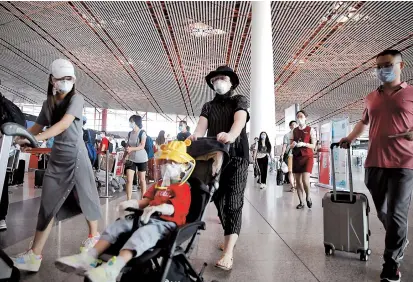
x=69, y=186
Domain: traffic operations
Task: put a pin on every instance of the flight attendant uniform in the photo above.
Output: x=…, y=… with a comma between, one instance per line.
x=303, y=158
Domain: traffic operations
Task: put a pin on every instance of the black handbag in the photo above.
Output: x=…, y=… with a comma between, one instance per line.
x=285, y=157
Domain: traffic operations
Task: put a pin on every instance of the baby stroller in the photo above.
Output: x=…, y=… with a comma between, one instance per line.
x=168, y=261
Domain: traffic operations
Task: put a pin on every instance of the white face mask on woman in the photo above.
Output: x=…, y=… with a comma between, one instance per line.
x=63, y=86
x=132, y=125
x=301, y=121
x=222, y=86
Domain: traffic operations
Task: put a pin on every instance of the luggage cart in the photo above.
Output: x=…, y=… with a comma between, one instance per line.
x=112, y=165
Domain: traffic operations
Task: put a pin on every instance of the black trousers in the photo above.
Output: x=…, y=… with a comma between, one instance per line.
x=229, y=198
x=263, y=164
x=391, y=189
x=4, y=202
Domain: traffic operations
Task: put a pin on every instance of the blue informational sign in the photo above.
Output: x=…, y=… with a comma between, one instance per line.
x=339, y=130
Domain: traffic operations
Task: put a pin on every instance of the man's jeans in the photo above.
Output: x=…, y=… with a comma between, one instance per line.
x=391, y=189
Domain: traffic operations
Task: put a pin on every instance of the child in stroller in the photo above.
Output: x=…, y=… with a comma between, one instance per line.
x=170, y=197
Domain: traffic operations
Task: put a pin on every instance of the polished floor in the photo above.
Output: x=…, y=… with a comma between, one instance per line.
x=277, y=242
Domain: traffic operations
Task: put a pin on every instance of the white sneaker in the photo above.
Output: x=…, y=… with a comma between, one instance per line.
x=89, y=243
x=263, y=186
x=79, y=263
x=107, y=272
x=3, y=225
x=28, y=261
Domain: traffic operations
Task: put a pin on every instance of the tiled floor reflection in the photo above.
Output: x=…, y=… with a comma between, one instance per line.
x=277, y=242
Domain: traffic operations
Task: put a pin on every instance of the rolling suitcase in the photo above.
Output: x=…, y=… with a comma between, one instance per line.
x=346, y=221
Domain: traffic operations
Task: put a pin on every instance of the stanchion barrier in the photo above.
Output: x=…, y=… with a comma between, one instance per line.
x=106, y=175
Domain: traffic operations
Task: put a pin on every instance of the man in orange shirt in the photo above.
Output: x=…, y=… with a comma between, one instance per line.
x=389, y=163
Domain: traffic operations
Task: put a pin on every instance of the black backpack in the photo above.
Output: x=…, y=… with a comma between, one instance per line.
x=9, y=112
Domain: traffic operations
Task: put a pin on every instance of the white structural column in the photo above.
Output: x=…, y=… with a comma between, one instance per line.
x=262, y=72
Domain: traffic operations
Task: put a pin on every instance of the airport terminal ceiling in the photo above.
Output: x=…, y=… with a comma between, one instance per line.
x=153, y=56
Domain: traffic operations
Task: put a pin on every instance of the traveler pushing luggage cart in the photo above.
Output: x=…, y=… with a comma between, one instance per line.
x=346, y=221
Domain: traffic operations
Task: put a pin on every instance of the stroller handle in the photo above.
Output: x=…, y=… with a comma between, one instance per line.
x=213, y=138
x=16, y=130
x=207, y=138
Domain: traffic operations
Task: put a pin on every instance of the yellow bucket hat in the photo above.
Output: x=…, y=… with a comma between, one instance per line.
x=175, y=151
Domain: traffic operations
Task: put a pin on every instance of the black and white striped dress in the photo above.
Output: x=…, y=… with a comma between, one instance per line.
x=229, y=198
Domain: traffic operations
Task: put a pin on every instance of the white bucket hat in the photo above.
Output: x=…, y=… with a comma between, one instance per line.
x=61, y=68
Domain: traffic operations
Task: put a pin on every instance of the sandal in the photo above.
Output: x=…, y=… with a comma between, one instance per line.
x=221, y=263
x=221, y=247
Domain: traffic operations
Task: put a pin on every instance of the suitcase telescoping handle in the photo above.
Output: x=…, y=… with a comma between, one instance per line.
x=333, y=173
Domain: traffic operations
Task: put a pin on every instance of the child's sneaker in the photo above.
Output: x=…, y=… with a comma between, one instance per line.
x=107, y=272
x=28, y=261
x=79, y=263
x=89, y=243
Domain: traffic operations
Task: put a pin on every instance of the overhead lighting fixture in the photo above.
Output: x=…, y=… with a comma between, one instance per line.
x=296, y=61
x=200, y=29
x=351, y=15
x=118, y=21
x=98, y=23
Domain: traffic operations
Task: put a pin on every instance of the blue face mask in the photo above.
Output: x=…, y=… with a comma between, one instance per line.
x=263, y=136
x=386, y=75
x=181, y=128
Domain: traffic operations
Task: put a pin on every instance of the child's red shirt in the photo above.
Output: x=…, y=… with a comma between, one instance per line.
x=177, y=195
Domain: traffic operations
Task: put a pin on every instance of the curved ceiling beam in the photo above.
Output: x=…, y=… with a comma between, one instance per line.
x=243, y=39
x=42, y=68
x=333, y=29
x=235, y=14
x=79, y=63
x=181, y=67
x=163, y=41
x=305, y=45
x=113, y=53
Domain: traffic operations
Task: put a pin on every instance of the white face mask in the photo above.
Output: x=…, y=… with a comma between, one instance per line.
x=301, y=121
x=63, y=86
x=132, y=125
x=222, y=86
x=170, y=172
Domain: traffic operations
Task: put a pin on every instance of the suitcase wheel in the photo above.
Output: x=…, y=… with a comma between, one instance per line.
x=328, y=250
x=364, y=255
